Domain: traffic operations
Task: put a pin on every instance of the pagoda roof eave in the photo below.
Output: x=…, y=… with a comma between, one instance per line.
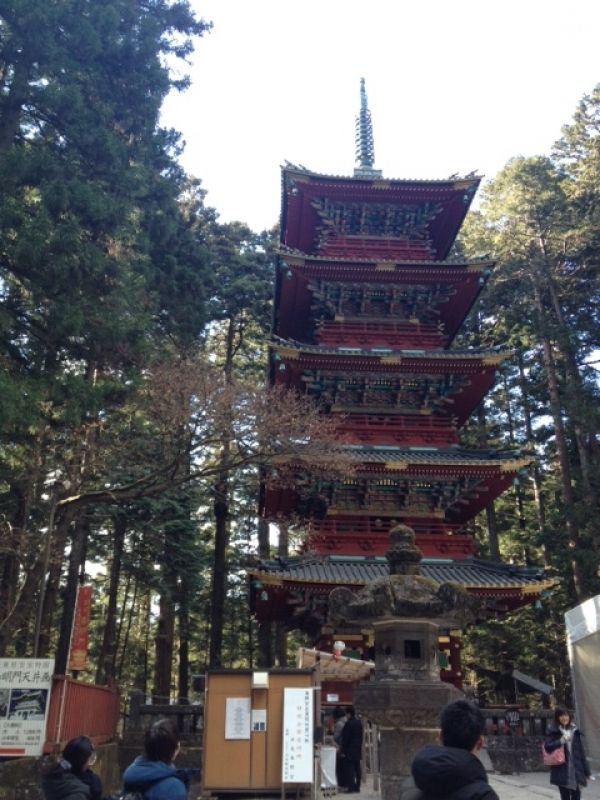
x=451, y=183
x=401, y=459
x=294, y=350
x=296, y=226
x=297, y=257
x=473, y=573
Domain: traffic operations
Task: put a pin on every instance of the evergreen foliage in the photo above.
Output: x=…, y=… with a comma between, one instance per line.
x=134, y=422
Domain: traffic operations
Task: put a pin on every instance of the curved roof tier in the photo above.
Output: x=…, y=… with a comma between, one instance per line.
x=349, y=216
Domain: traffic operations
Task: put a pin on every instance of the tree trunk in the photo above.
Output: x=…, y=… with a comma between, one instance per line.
x=105, y=673
x=281, y=638
x=219, y=576
x=536, y=474
x=562, y=452
x=577, y=391
x=221, y=512
x=184, y=642
x=58, y=544
x=264, y=631
x=490, y=512
x=492, y=532
x=76, y=557
x=165, y=634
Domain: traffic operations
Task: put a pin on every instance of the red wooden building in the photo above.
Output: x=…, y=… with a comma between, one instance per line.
x=367, y=304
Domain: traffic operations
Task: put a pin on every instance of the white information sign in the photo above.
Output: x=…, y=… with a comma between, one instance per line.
x=25, y=685
x=237, y=718
x=297, y=759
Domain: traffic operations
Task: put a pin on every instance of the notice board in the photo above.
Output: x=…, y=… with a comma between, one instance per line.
x=297, y=757
x=25, y=685
x=252, y=762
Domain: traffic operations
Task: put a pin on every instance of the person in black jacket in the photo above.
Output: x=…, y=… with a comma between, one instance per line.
x=452, y=771
x=71, y=778
x=351, y=749
x=573, y=774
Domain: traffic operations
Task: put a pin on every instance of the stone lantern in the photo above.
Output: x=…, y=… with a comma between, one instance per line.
x=405, y=696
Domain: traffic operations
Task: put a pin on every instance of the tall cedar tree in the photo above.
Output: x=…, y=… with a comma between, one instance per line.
x=96, y=265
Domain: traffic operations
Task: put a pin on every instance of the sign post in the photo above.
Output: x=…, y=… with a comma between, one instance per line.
x=81, y=629
x=297, y=763
x=25, y=685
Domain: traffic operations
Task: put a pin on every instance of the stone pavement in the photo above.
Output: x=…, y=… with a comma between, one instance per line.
x=527, y=786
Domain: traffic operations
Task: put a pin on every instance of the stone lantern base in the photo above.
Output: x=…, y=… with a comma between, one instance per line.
x=407, y=714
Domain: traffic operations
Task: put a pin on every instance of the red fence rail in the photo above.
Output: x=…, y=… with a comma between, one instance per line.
x=81, y=709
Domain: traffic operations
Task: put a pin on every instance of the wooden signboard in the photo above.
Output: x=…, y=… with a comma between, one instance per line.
x=244, y=728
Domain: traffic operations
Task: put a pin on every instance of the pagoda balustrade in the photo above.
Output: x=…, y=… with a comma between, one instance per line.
x=408, y=429
x=344, y=527
x=365, y=248
x=397, y=336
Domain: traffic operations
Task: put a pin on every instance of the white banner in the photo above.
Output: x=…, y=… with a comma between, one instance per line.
x=25, y=685
x=583, y=642
x=297, y=758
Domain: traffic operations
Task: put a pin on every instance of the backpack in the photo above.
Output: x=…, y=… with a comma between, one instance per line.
x=135, y=794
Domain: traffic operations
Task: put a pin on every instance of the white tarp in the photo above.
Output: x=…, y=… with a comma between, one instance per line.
x=583, y=641
x=328, y=777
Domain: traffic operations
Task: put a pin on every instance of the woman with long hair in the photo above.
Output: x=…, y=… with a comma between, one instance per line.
x=571, y=775
x=71, y=778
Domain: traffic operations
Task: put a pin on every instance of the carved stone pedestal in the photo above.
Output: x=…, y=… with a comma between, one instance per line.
x=407, y=713
x=406, y=696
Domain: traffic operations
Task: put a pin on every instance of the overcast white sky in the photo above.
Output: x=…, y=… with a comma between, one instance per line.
x=453, y=86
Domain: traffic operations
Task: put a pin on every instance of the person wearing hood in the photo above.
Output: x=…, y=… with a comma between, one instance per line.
x=574, y=772
x=451, y=770
x=154, y=774
x=71, y=778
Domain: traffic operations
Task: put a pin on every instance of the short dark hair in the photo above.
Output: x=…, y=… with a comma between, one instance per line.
x=559, y=711
x=350, y=711
x=77, y=751
x=338, y=712
x=161, y=741
x=462, y=724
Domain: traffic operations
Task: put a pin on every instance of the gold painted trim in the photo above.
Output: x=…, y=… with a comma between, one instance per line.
x=390, y=360
x=299, y=177
x=514, y=466
x=497, y=358
x=293, y=261
x=398, y=466
x=464, y=184
x=385, y=266
x=288, y=352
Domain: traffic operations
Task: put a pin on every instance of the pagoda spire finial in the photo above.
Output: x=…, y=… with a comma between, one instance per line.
x=365, y=145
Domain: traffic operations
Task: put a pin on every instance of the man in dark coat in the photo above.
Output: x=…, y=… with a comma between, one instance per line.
x=452, y=771
x=351, y=750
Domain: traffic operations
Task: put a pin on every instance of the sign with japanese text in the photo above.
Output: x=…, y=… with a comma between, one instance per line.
x=297, y=759
x=237, y=718
x=25, y=685
x=81, y=629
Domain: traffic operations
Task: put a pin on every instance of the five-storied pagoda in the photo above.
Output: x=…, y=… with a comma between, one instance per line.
x=367, y=304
